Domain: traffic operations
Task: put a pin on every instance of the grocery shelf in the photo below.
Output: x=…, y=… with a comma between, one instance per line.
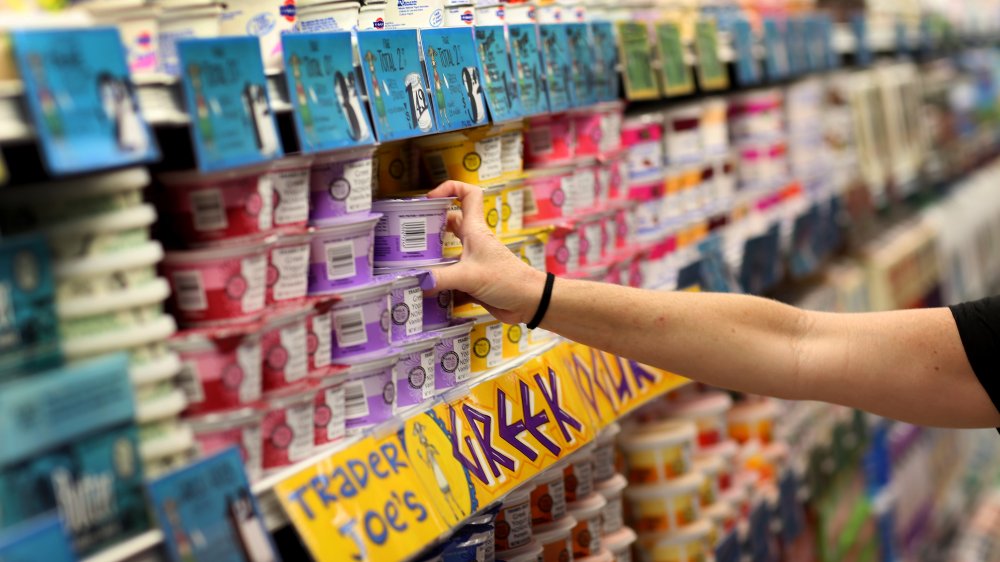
x=130, y=549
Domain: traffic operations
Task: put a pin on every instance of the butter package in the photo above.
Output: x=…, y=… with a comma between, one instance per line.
x=70, y=444
x=29, y=340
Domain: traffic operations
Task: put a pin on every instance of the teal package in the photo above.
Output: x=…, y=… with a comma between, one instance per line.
x=29, y=337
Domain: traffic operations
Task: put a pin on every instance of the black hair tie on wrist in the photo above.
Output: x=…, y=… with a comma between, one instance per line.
x=543, y=306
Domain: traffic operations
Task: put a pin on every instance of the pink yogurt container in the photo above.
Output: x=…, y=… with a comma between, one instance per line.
x=642, y=137
x=549, y=140
x=288, y=270
x=585, y=186
x=284, y=351
x=287, y=430
x=290, y=192
x=612, y=113
x=370, y=390
x=452, y=356
x=415, y=371
x=319, y=341
x=328, y=417
x=219, y=207
x=552, y=190
x=340, y=184
x=217, y=285
x=218, y=373
x=410, y=231
x=361, y=320
x=562, y=253
x=588, y=132
x=590, y=229
x=612, y=177
x=236, y=428
x=340, y=255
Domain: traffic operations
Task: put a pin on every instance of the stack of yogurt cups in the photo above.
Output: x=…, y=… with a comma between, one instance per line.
x=108, y=295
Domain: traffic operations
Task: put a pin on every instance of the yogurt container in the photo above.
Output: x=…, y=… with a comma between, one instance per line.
x=414, y=15
x=556, y=539
x=602, y=555
x=612, y=114
x=513, y=521
x=658, y=452
x=415, y=371
x=92, y=236
x=328, y=417
x=562, y=252
x=548, y=499
x=371, y=16
x=410, y=231
x=533, y=247
x=319, y=341
x=708, y=412
x=459, y=16
x=612, y=515
x=714, y=132
x=515, y=340
x=370, y=390
x=452, y=356
x=592, y=239
x=267, y=21
x=665, y=507
x=219, y=373
x=684, y=545
x=223, y=206
x=712, y=468
x=549, y=140
x=437, y=309
x=284, y=354
x=235, y=428
x=682, y=135
x=288, y=270
x=552, y=195
x=585, y=185
x=579, y=473
x=326, y=16
x=752, y=420
x=587, y=125
x=361, y=320
x=642, y=136
x=726, y=452
x=473, y=156
x=619, y=544
x=605, y=459
x=340, y=255
x=406, y=305
x=185, y=22
x=530, y=552
x=112, y=313
x=287, y=429
x=487, y=344
x=394, y=162
x=512, y=208
x=101, y=276
x=492, y=208
x=512, y=150
x=140, y=342
x=290, y=192
x=217, y=285
x=340, y=183
x=586, y=537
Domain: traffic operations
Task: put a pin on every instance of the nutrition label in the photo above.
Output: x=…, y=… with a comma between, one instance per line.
x=358, y=175
x=291, y=188
x=293, y=339
x=413, y=298
x=253, y=270
x=321, y=330
x=335, y=428
x=427, y=364
x=300, y=420
x=289, y=263
x=464, y=368
x=248, y=358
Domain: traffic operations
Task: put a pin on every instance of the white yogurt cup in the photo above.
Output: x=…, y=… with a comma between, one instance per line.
x=327, y=16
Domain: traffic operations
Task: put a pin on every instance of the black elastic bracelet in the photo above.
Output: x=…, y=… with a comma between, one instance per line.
x=543, y=306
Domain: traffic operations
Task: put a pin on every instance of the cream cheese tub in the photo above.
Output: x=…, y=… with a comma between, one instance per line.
x=613, y=514
x=410, y=231
x=288, y=270
x=657, y=452
x=219, y=373
x=548, y=498
x=487, y=344
x=665, y=507
x=38, y=205
x=708, y=412
x=473, y=156
x=328, y=417
x=752, y=420
x=289, y=178
x=586, y=537
x=100, y=276
x=284, y=353
x=689, y=544
x=552, y=194
x=235, y=428
x=370, y=390
x=224, y=206
x=340, y=183
x=605, y=459
x=556, y=539
x=579, y=473
x=513, y=522
x=361, y=320
x=452, y=356
x=340, y=255
x=288, y=427
x=217, y=285
x=619, y=544
x=549, y=140
x=95, y=235
x=327, y=16
x=530, y=552
x=415, y=371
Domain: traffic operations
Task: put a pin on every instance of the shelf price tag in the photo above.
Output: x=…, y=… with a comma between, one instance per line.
x=581, y=51
x=775, y=50
x=455, y=77
x=502, y=94
x=747, y=69
x=675, y=75
x=606, y=61
x=558, y=61
x=637, y=59
x=711, y=72
x=82, y=100
x=208, y=513
x=394, y=80
x=324, y=90
x=225, y=91
x=527, y=61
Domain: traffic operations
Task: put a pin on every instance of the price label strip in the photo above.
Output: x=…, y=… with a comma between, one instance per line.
x=747, y=68
x=636, y=55
x=225, y=90
x=502, y=94
x=675, y=74
x=325, y=92
x=711, y=71
x=558, y=61
x=528, y=70
x=455, y=77
x=775, y=50
x=394, y=81
x=82, y=100
x=606, y=60
x=583, y=69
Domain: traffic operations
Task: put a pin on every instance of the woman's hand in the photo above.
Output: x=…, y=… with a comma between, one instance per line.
x=488, y=271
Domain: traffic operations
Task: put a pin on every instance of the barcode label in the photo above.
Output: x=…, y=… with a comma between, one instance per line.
x=339, y=260
x=436, y=167
x=335, y=401
x=355, y=400
x=349, y=326
x=413, y=235
x=540, y=141
x=208, y=209
x=190, y=381
x=190, y=290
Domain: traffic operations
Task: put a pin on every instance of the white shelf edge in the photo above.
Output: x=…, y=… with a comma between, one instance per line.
x=132, y=547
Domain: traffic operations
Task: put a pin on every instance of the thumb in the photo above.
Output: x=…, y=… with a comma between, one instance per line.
x=453, y=277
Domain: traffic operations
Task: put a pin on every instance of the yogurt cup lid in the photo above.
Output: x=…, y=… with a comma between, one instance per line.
x=408, y=269
x=683, y=485
x=344, y=225
x=98, y=184
x=291, y=239
x=530, y=552
x=409, y=278
x=133, y=217
x=151, y=293
x=225, y=420
x=620, y=540
x=424, y=203
x=708, y=404
x=612, y=486
x=657, y=434
x=459, y=328
x=187, y=178
x=415, y=344
x=698, y=530
x=554, y=531
x=603, y=555
x=147, y=254
x=216, y=252
x=587, y=507
x=518, y=495
x=368, y=290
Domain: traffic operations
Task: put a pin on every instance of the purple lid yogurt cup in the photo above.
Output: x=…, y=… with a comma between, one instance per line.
x=437, y=309
x=415, y=381
x=361, y=321
x=411, y=231
x=452, y=356
x=406, y=305
x=370, y=389
x=340, y=255
x=340, y=184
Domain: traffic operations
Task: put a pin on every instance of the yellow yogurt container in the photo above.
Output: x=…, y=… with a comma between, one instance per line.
x=486, y=342
x=658, y=452
x=689, y=544
x=665, y=507
x=472, y=156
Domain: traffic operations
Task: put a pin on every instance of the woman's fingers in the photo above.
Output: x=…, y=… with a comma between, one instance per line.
x=454, y=277
x=471, y=198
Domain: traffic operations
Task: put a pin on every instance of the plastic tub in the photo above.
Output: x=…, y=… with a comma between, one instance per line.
x=712, y=468
x=239, y=428
x=472, y=157
x=410, y=231
x=708, y=412
x=752, y=420
x=515, y=340
x=512, y=208
x=487, y=344
x=112, y=313
x=217, y=285
x=612, y=114
x=642, y=136
x=682, y=135
x=327, y=16
x=714, y=132
x=137, y=342
x=328, y=417
x=284, y=353
x=658, y=452
x=262, y=20
x=586, y=538
x=106, y=275
x=406, y=305
x=585, y=186
x=290, y=192
x=436, y=311
x=340, y=255
x=549, y=140
x=415, y=371
x=548, y=499
x=533, y=248
x=589, y=134
x=224, y=206
x=184, y=22
x=591, y=233
x=31, y=206
x=393, y=161
x=452, y=356
x=530, y=552
x=619, y=544
x=726, y=451
x=370, y=390
x=665, y=507
x=288, y=428
x=683, y=545
x=361, y=320
x=319, y=341
x=579, y=473
x=512, y=150
x=551, y=194
x=340, y=183
x=513, y=521
x=555, y=539
x=562, y=252
x=605, y=458
x=612, y=516
x=288, y=270
x=219, y=374
x=723, y=518
x=93, y=236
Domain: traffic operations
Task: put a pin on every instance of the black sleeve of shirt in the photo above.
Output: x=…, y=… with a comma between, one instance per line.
x=979, y=327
